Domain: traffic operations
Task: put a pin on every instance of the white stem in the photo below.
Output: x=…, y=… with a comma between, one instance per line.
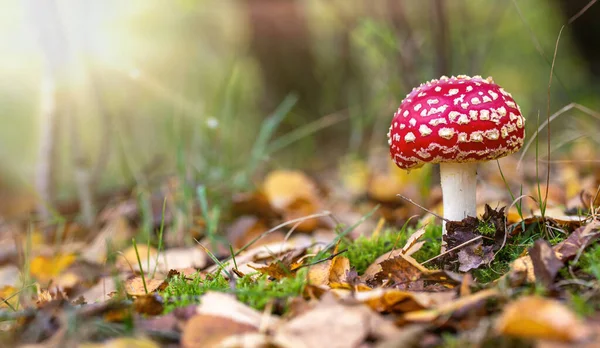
x=459, y=181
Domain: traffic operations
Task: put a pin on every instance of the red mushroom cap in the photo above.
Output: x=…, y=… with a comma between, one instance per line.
x=456, y=119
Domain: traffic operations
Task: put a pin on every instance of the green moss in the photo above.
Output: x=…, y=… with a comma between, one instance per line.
x=512, y=250
x=253, y=291
x=590, y=262
x=365, y=250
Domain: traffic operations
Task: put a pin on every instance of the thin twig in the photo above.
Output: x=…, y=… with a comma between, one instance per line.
x=583, y=10
x=450, y=250
x=422, y=207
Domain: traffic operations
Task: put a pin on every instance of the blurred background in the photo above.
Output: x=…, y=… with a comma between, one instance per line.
x=102, y=96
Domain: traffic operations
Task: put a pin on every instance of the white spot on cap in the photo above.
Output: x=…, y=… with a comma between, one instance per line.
x=486, y=99
x=421, y=94
x=484, y=115
x=492, y=134
x=520, y=122
x=438, y=88
x=424, y=130
x=453, y=115
x=412, y=122
x=463, y=119
x=402, y=126
x=417, y=107
x=493, y=94
x=464, y=105
x=423, y=113
x=432, y=101
x=437, y=121
x=511, y=104
x=462, y=137
x=476, y=136
x=475, y=101
x=453, y=91
x=409, y=137
x=405, y=113
x=473, y=114
x=469, y=88
x=446, y=133
x=504, y=132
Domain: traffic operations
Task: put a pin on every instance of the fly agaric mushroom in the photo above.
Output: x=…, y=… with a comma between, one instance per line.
x=456, y=122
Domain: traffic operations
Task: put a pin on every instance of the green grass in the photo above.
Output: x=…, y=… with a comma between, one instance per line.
x=365, y=250
x=514, y=248
x=255, y=291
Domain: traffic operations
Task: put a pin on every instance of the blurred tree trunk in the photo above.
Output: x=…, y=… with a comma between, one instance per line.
x=45, y=19
x=281, y=44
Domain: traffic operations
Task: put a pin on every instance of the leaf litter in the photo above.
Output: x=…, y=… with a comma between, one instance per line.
x=288, y=275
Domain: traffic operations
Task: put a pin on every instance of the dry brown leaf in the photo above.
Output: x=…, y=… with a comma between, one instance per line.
x=413, y=244
x=332, y=324
x=568, y=248
x=124, y=342
x=246, y=228
x=178, y=258
x=208, y=330
x=545, y=262
x=339, y=270
x=135, y=286
x=113, y=236
x=227, y=306
x=129, y=258
x=398, y=301
x=150, y=304
x=444, y=309
x=536, y=317
x=46, y=268
x=403, y=271
x=521, y=270
x=283, y=187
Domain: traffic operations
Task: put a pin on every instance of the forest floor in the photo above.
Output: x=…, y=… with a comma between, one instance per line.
x=322, y=260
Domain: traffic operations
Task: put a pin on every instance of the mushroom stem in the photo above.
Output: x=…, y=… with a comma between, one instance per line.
x=459, y=181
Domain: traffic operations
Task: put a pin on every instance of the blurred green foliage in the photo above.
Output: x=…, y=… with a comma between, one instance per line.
x=181, y=91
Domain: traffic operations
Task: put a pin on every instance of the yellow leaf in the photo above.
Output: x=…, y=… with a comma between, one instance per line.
x=129, y=258
x=45, y=268
x=283, y=187
x=541, y=318
x=126, y=342
x=5, y=295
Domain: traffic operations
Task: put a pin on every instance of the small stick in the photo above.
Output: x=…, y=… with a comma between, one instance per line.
x=422, y=207
x=456, y=247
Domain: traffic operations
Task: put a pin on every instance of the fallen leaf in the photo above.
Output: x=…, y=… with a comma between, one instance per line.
x=536, y=317
x=123, y=342
x=413, y=244
x=46, y=268
x=403, y=271
x=283, y=187
x=150, y=304
x=333, y=324
x=398, y=301
x=227, y=306
x=545, y=263
x=450, y=308
x=473, y=252
x=135, y=286
x=113, y=236
x=582, y=236
x=209, y=330
x=8, y=296
x=279, y=268
x=129, y=258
